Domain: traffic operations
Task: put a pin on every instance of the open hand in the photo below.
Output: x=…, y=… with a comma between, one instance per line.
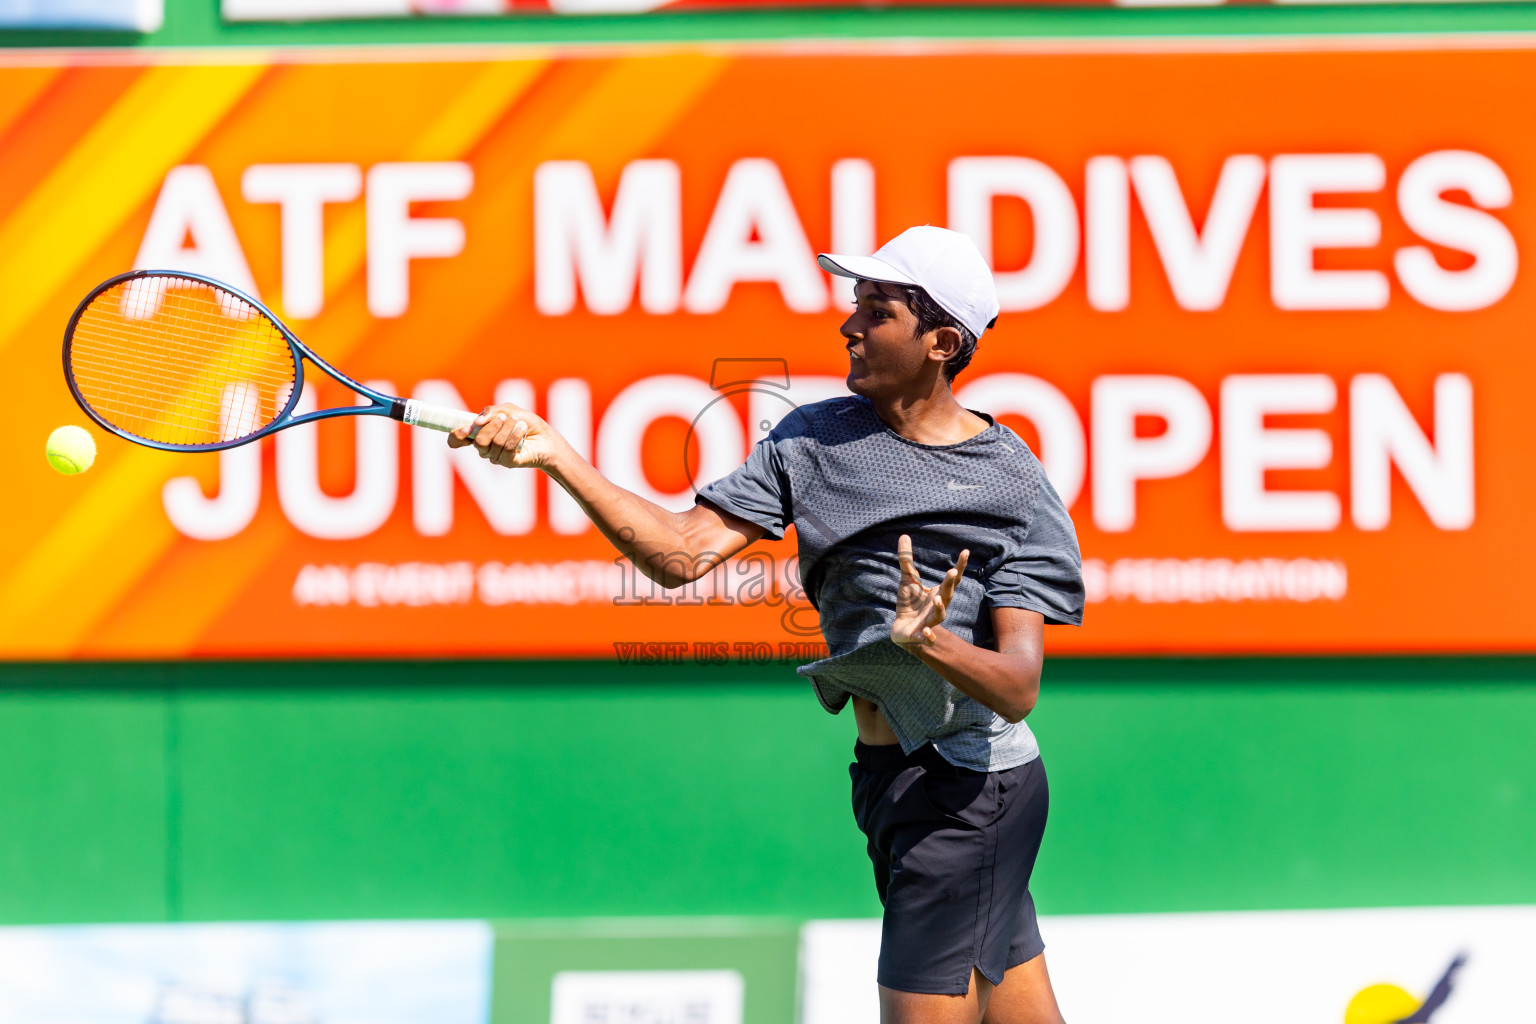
x=508, y=435
x=920, y=608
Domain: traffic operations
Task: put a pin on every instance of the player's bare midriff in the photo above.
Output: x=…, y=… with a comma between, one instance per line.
x=874, y=730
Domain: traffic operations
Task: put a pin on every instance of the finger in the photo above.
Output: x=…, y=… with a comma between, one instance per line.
x=928, y=637
x=461, y=434
x=513, y=444
x=501, y=444
x=486, y=428
x=952, y=578
x=485, y=440
x=519, y=434
x=904, y=558
x=947, y=585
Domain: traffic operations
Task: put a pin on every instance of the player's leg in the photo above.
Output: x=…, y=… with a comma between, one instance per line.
x=952, y=851
x=922, y=1008
x=1024, y=997
x=929, y=870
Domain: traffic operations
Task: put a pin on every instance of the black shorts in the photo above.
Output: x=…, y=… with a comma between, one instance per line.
x=953, y=850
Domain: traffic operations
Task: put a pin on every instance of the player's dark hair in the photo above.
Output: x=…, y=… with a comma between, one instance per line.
x=931, y=316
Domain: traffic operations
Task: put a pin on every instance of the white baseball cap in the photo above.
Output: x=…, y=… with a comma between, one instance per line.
x=945, y=264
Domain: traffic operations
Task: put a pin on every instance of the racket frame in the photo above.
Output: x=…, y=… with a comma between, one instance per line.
x=380, y=403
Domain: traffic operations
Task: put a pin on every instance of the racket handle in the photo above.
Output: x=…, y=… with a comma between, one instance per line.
x=435, y=417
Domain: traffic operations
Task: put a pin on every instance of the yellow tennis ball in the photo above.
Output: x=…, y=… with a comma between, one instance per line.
x=71, y=450
x=1379, y=1004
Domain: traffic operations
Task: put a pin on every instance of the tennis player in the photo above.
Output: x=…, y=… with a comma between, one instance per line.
x=935, y=550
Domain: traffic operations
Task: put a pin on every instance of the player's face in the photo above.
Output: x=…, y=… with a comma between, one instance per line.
x=886, y=355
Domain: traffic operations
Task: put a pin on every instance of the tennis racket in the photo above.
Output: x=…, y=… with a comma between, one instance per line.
x=182, y=362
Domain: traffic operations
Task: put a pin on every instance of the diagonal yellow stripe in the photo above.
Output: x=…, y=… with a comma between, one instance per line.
x=474, y=110
x=21, y=89
x=631, y=105
x=108, y=174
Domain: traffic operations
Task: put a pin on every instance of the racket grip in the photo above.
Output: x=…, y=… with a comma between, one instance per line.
x=435, y=417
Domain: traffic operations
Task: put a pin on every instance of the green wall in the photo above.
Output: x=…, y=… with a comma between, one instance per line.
x=517, y=790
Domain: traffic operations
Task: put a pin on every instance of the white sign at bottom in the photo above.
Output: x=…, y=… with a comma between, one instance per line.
x=647, y=997
x=339, y=972
x=1445, y=965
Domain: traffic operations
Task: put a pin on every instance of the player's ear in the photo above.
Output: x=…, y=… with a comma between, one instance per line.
x=946, y=342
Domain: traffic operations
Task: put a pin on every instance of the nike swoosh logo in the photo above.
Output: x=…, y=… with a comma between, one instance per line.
x=955, y=486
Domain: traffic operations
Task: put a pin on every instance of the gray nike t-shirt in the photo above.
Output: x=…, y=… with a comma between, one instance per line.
x=851, y=486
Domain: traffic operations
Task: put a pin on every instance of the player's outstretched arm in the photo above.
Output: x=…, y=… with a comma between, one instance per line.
x=672, y=548
x=1006, y=680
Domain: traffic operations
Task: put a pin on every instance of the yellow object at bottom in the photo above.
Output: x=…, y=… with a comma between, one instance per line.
x=1379, y=1004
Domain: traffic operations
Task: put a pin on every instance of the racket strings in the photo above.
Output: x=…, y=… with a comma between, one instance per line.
x=180, y=362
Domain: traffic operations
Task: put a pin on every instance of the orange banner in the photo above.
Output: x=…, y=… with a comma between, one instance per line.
x=1263, y=321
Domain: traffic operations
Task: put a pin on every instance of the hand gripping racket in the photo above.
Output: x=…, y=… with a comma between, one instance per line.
x=182, y=362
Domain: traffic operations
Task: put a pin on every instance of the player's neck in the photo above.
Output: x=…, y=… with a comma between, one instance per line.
x=934, y=418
